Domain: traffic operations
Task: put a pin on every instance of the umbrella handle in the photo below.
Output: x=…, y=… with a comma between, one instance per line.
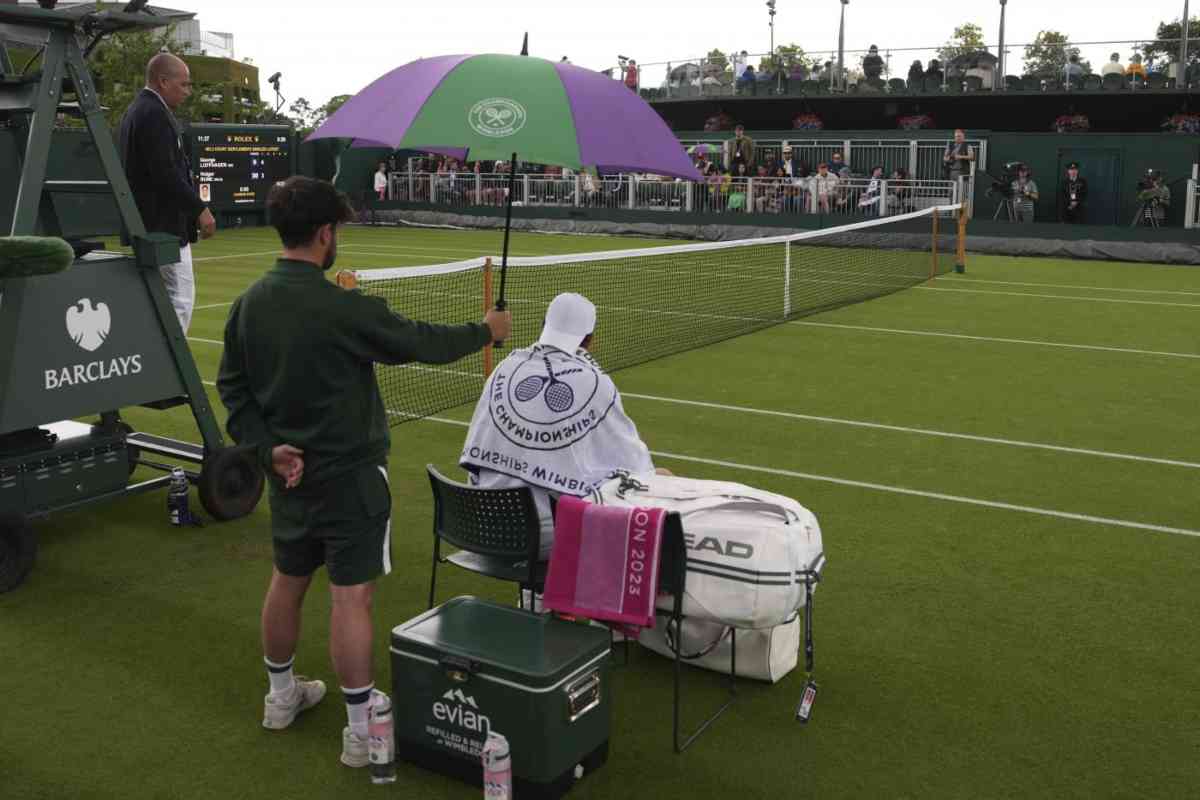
x=512, y=185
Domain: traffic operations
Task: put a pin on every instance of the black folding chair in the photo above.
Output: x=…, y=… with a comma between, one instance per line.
x=496, y=531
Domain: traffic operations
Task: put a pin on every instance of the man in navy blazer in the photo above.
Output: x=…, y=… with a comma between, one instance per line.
x=160, y=173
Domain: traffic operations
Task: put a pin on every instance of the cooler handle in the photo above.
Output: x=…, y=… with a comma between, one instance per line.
x=457, y=668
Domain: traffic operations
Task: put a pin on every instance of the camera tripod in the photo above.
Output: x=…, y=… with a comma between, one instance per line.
x=1147, y=214
x=1003, y=204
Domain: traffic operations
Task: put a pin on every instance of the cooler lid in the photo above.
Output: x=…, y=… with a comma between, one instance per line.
x=534, y=650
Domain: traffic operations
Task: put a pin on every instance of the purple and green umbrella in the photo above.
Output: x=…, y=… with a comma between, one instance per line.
x=499, y=107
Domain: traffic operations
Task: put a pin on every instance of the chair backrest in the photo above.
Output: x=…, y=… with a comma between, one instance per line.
x=1156, y=80
x=1033, y=83
x=974, y=83
x=1113, y=82
x=953, y=85
x=1013, y=83
x=1055, y=85
x=1092, y=82
x=494, y=522
x=933, y=84
x=897, y=85
x=810, y=87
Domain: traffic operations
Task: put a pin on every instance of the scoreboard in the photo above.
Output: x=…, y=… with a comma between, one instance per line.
x=236, y=165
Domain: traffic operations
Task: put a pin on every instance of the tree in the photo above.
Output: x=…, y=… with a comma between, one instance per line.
x=967, y=38
x=331, y=106
x=788, y=56
x=718, y=60
x=1047, y=56
x=1163, y=49
x=301, y=113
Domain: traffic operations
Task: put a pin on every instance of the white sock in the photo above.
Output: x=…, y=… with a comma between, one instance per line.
x=280, y=675
x=357, y=706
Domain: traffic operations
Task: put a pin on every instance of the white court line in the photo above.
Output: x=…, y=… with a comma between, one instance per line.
x=958, y=278
x=1037, y=342
x=238, y=255
x=213, y=305
x=1062, y=297
x=880, y=487
x=206, y=341
x=919, y=431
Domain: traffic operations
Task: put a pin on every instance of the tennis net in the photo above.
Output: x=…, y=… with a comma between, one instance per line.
x=658, y=301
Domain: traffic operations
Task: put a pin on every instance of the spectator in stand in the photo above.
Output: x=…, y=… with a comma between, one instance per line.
x=1073, y=72
x=1114, y=66
x=836, y=164
x=1074, y=195
x=824, y=186
x=899, y=198
x=740, y=147
x=798, y=73
x=1025, y=194
x=872, y=65
x=737, y=185
x=740, y=62
x=702, y=162
x=631, y=75
x=747, y=83
x=869, y=202
x=1135, y=68
x=935, y=71
x=916, y=74
x=381, y=181
x=788, y=164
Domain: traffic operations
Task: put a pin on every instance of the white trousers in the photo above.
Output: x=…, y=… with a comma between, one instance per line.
x=181, y=286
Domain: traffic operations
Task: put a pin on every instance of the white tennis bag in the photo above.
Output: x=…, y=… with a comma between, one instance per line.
x=749, y=552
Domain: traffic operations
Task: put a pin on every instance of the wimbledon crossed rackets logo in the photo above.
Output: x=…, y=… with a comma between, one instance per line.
x=497, y=117
x=559, y=396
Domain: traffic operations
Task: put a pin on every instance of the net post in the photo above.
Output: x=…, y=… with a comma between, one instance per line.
x=787, y=280
x=960, y=256
x=487, y=306
x=934, y=262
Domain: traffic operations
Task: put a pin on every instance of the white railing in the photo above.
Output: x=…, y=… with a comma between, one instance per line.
x=921, y=159
x=850, y=197
x=1191, y=218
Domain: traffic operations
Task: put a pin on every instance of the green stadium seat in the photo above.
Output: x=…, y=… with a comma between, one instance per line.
x=1092, y=83
x=1013, y=83
x=974, y=83
x=1053, y=85
x=916, y=85
x=810, y=87
x=933, y=85
x=1156, y=80
x=954, y=86
x=645, y=93
x=1112, y=82
x=1136, y=82
x=1033, y=83
x=897, y=86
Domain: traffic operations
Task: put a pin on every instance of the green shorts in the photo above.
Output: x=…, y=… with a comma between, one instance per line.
x=344, y=524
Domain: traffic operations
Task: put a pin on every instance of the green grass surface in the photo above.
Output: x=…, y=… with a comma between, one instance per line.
x=964, y=650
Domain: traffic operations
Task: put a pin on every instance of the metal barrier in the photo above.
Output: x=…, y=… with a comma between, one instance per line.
x=922, y=159
x=851, y=197
x=1191, y=217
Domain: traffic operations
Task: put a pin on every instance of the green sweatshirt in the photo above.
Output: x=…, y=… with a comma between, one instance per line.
x=299, y=368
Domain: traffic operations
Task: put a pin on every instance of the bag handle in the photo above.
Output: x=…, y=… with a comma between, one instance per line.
x=747, y=505
x=675, y=647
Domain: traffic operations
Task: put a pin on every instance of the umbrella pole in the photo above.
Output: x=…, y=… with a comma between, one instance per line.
x=512, y=184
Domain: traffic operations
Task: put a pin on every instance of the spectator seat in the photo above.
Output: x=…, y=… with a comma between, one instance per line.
x=1113, y=82
x=1092, y=82
x=1156, y=80
x=1013, y=83
x=897, y=86
x=933, y=85
x=974, y=83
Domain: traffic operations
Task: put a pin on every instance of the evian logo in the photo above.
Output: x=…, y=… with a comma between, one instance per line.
x=88, y=325
x=461, y=709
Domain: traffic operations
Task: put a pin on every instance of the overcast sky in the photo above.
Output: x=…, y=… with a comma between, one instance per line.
x=328, y=48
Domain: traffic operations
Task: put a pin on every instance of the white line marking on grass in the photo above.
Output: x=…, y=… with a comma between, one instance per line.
x=1061, y=297
x=209, y=383
x=238, y=255
x=880, y=487
x=920, y=431
x=950, y=498
x=206, y=341
x=1036, y=342
x=213, y=305
x=958, y=278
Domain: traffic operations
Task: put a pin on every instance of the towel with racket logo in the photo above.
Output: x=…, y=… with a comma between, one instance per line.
x=553, y=419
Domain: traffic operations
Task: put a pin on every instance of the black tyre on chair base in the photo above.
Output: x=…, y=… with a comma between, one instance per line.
x=231, y=482
x=18, y=551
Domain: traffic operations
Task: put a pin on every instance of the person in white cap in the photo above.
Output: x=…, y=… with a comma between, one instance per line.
x=551, y=419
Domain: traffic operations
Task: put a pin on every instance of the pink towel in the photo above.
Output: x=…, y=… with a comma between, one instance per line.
x=604, y=564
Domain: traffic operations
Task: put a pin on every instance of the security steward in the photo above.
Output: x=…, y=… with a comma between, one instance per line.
x=1074, y=195
x=298, y=379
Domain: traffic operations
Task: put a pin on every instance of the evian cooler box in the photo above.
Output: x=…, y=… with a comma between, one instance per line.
x=470, y=666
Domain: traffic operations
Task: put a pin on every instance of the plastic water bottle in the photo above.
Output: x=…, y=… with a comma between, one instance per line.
x=381, y=740
x=497, y=768
x=177, y=498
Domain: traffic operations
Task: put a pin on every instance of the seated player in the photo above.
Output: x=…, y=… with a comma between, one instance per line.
x=551, y=419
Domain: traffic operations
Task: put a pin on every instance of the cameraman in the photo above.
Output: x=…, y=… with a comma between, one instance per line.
x=1024, y=194
x=1155, y=197
x=1074, y=196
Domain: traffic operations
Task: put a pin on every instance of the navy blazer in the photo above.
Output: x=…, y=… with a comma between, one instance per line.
x=158, y=168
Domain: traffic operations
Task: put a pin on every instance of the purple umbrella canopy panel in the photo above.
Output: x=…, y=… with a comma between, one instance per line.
x=487, y=107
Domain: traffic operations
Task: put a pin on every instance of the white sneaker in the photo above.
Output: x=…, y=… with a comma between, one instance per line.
x=355, y=752
x=355, y=749
x=280, y=710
